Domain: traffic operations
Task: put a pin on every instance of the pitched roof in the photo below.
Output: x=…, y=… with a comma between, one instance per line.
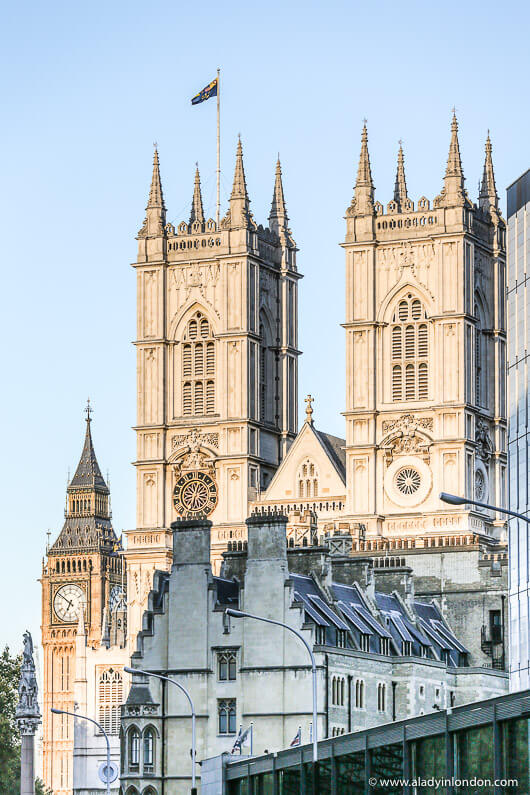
x=88, y=473
x=335, y=448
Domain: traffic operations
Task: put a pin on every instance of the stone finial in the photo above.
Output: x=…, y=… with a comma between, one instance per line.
x=239, y=214
x=278, y=215
x=400, y=188
x=309, y=409
x=363, y=199
x=488, y=199
x=197, y=212
x=155, y=218
x=453, y=191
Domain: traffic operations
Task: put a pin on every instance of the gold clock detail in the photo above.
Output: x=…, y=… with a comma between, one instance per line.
x=195, y=495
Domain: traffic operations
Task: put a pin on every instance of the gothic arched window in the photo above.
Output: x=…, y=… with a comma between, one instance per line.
x=266, y=374
x=134, y=749
x=149, y=750
x=307, y=479
x=481, y=396
x=198, y=367
x=409, y=351
x=110, y=699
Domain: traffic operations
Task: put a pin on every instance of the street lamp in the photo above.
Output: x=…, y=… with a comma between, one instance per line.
x=181, y=687
x=102, y=730
x=230, y=611
x=452, y=499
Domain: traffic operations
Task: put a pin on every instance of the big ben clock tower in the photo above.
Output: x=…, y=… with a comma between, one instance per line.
x=81, y=579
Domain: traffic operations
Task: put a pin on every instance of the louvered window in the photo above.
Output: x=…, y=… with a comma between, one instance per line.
x=186, y=398
x=110, y=699
x=198, y=403
x=186, y=360
x=210, y=397
x=409, y=350
x=198, y=361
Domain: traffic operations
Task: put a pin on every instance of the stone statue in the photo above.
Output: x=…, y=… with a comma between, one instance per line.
x=27, y=716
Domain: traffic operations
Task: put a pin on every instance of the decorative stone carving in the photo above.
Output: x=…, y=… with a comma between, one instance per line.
x=404, y=438
x=483, y=440
x=193, y=436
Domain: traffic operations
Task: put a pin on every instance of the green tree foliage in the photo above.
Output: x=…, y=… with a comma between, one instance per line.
x=41, y=788
x=9, y=737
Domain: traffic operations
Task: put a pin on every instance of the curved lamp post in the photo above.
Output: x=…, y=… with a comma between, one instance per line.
x=230, y=611
x=193, y=716
x=452, y=499
x=102, y=730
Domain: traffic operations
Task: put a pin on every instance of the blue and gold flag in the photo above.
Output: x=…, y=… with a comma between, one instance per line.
x=209, y=91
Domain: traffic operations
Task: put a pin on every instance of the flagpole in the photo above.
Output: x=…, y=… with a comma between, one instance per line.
x=218, y=206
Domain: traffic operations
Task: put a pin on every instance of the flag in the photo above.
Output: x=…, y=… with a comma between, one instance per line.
x=209, y=91
x=243, y=738
x=297, y=738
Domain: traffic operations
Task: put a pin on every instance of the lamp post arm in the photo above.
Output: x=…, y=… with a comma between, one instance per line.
x=192, y=707
x=496, y=508
x=241, y=614
x=100, y=727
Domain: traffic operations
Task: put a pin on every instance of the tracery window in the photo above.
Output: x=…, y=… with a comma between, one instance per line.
x=226, y=712
x=307, y=479
x=110, y=699
x=409, y=351
x=198, y=367
x=226, y=665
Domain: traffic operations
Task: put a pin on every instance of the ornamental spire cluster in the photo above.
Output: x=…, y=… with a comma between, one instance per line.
x=453, y=193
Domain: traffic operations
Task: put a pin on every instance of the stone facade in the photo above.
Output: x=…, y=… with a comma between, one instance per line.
x=379, y=655
x=217, y=368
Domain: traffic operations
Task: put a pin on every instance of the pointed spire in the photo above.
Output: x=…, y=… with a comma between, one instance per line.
x=105, y=629
x=88, y=473
x=197, y=212
x=156, y=196
x=239, y=202
x=488, y=198
x=363, y=202
x=454, y=192
x=400, y=188
x=155, y=218
x=278, y=215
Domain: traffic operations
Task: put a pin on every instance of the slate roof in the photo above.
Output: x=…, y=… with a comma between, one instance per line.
x=84, y=532
x=428, y=634
x=139, y=694
x=335, y=448
x=88, y=473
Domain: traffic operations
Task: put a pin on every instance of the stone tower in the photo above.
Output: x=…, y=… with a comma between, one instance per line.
x=83, y=573
x=217, y=370
x=425, y=323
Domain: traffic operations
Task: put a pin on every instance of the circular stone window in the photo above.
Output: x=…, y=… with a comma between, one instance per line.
x=481, y=482
x=408, y=481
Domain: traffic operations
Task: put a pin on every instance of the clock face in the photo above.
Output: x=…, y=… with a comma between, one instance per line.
x=116, y=598
x=68, y=601
x=195, y=495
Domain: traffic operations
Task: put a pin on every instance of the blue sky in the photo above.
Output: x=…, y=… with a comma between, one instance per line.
x=87, y=88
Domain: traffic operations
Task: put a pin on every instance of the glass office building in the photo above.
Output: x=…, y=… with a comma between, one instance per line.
x=518, y=298
x=480, y=747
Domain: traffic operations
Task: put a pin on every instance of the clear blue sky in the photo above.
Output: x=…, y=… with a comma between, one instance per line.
x=86, y=89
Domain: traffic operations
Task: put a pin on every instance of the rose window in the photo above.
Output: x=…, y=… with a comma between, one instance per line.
x=408, y=480
x=480, y=485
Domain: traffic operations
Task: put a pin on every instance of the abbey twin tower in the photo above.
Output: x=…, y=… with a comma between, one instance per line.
x=218, y=434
